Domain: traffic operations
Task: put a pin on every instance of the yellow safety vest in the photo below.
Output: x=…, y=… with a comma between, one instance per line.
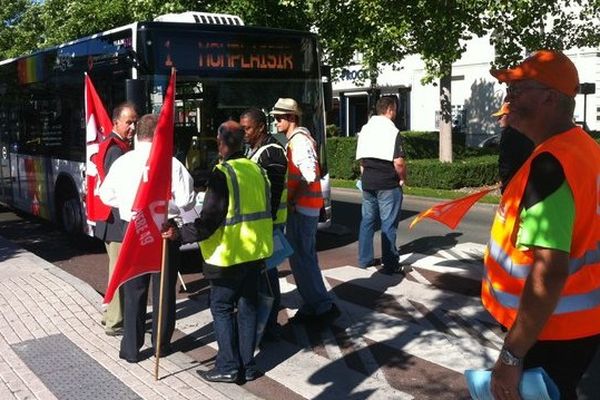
x=247, y=232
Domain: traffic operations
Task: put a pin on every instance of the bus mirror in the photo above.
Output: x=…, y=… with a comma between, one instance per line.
x=136, y=93
x=327, y=87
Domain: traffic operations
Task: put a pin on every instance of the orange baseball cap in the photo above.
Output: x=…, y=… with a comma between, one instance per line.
x=549, y=67
x=502, y=111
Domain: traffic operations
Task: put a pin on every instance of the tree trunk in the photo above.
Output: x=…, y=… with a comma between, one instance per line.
x=446, y=115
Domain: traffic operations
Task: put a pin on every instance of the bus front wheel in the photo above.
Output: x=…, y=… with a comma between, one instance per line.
x=68, y=209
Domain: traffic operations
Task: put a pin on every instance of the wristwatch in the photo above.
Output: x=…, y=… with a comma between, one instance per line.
x=508, y=358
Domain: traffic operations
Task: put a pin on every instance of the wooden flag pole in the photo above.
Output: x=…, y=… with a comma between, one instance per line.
x=163, y=274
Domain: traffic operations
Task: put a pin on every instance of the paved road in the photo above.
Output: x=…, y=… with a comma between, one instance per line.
x=397, y=338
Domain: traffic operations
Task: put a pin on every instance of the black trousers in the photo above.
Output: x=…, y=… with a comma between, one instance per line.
x=564, y=360
x=135, y=302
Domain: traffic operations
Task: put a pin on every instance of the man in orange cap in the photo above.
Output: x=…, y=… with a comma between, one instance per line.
x=514, y=147
x=542, y=265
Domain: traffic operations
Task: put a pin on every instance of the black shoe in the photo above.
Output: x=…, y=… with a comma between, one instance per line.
x=303, y=318
x=114, y=332
x=272, y=333
x=215, y=376
x=393, y=270
x=130, y=359
x=330, y=315
x=252, y=374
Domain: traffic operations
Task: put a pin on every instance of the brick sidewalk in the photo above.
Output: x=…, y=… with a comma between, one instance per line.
x=52, y=345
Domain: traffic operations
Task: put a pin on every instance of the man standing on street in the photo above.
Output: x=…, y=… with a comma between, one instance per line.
x=304, y=205
x=267, y=152
x=119, y=190
x=542, y=271
x=235, y=231
x=112, y=230
x=383, y=173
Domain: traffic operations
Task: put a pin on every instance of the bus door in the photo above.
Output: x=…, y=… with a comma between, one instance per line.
x=6, y=179
x=195, y=135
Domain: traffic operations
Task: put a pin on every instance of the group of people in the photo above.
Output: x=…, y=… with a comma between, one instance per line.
x=541, y=266
x=248, y=196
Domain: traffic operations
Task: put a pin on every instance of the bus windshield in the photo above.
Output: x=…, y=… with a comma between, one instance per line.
x=219, y=75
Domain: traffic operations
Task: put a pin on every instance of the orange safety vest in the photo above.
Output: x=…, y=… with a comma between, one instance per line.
x=301, y=193
x=577, y=313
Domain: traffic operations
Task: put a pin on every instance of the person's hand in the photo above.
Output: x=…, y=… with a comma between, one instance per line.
x=505, y=381
x=170, y=232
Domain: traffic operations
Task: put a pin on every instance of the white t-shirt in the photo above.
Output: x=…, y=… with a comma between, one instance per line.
x=120, y=186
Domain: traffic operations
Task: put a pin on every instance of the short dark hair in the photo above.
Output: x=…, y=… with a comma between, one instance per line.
x=145, y=127
x=119, y=109
x=255, y=115
x=232, y=134
x=384, y=103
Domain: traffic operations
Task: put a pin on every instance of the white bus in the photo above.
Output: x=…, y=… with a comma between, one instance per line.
x=223, y=67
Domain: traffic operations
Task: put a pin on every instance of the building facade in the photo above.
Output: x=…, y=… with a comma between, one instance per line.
x=475, y=93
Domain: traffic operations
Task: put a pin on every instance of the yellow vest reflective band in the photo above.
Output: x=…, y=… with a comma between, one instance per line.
x=577, y=313
x=282, y=210
x=247, y=232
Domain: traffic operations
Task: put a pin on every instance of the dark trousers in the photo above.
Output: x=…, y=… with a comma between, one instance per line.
x=136, y=299
x=235, y=332
x=272, y=275
x=564, y=360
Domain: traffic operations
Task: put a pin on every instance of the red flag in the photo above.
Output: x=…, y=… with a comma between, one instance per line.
x=98, y=127
x=451, y=212
x=142, y=246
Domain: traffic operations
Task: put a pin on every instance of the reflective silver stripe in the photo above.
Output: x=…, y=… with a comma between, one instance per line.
x=260, y=150
x=237, y=214
x=235, y=187
x=506, y=299
x=267, y=188
x=294, y=176
x=589, y=257
x=282, y=206
x=520, y=271
x=566, y=304
x=236, y=219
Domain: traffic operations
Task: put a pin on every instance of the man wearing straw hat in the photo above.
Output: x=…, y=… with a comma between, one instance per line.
x=304, y=206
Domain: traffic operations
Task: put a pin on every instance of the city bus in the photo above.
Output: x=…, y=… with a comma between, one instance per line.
x=223, y=67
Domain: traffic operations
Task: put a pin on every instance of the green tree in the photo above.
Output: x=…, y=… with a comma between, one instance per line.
x=520, y=27
x=439, y=32
x=12, y=13
x=382, y=31
x=290, y=14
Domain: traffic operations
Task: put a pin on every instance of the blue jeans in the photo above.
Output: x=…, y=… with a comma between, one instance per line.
x=383, y=205
x=235, y=333
x=301, y=232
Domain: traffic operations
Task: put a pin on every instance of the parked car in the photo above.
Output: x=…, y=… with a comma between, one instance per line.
x=490, y=142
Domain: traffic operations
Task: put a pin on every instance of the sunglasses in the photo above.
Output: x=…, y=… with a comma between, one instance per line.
x=515, y=91
x=280, y=117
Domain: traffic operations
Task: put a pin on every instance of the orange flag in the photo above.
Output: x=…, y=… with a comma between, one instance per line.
x=451, y=212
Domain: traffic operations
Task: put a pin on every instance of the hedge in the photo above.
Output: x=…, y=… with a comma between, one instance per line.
x=470, y=168
x=468, y=172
